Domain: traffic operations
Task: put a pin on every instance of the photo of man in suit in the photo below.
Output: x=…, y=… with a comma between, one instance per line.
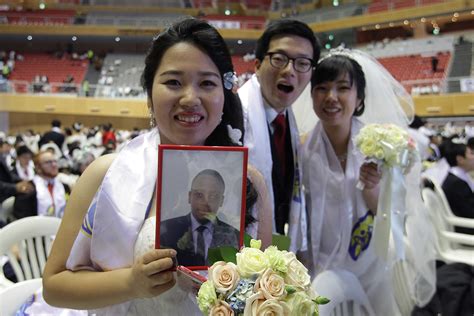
x=193, y=234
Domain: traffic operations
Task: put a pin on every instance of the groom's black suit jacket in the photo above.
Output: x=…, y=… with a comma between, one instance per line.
x=176, y=233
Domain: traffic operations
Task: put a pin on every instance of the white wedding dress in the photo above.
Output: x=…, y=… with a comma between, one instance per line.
x=173, y=302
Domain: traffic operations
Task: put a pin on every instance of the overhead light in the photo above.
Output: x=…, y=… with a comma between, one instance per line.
x=436, y=31
x=456, y=15
x=42, y=6
x=453, y=19
x=423, y=20
x=239, y=42
x=117, y=39
x=377, y=26
x=74, y=38
x=406, y=22
x=227, y=12
x=391, y=24
x=29, y=37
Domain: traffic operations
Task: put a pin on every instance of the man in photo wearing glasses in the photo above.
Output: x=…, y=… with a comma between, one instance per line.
x=49, y=196
x=286, y=53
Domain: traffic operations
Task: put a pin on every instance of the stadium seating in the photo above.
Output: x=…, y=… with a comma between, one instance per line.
x=132, y=19
x=385, y=5
x=56, y=69
x=39, y=17
x=417, y=68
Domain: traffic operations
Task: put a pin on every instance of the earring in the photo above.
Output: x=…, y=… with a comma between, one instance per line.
x=152, y=120
x=222, y=114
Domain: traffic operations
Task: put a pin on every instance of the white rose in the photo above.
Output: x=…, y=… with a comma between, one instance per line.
x=271, y=285
x=297, y=274
x=300, y=304
x=251, y=261
x=224, y=276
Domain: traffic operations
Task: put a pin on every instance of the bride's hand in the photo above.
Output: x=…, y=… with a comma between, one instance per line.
x=150, y=275
x=369, y=175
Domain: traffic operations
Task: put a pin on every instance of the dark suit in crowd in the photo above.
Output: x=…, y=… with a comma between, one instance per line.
x=460, y=198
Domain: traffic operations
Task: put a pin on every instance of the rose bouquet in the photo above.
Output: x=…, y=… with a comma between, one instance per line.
x=388, y=144
x=395, y=152
x=269, y=282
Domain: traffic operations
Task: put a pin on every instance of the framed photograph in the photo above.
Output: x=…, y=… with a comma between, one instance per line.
x=200, y=200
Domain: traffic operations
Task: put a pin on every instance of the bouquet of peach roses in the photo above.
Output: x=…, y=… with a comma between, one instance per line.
x=270, y=281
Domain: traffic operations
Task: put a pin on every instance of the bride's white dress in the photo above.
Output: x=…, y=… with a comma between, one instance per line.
x=173, y=302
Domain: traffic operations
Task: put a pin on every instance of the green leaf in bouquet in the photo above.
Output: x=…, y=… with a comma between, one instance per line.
x=228, y=254
x=214, y=255
x=321, y=300
x=289, y=289
x=281, y=242
x=224, y=253
x=247, y=239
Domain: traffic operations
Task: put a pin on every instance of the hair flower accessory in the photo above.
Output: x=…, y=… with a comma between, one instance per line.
x=235, y=135
x=230, y=79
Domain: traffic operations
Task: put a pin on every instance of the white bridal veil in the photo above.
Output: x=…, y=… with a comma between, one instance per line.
x=386, y=101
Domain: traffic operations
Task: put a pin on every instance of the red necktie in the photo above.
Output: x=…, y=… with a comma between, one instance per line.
x=279, y=123
x=50, y=189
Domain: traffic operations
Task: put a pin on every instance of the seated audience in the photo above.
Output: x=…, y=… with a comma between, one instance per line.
x=24, y=166
x=458, y=185
x=49, y=195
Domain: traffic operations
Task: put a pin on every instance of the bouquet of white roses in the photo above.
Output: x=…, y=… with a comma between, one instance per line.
x=395, y=152
x=387, y=143
x=270, y=281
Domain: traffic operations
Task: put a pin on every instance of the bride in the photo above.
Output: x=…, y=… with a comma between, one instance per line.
x=350, y=89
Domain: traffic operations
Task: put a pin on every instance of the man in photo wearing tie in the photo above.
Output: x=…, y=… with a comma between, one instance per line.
x=193, y=234
x=49, y=196
x=286, y=53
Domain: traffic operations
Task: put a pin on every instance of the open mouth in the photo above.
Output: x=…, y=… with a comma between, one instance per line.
x=332, y=110
x=285, y=88
x=189, y=119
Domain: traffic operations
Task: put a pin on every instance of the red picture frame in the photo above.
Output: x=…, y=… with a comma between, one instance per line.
x=178, y=167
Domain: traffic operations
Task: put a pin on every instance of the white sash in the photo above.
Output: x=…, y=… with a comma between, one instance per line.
x=117, y=213
x=331, y=192
x=21, y=172
x=49, y=205
x=257, y=139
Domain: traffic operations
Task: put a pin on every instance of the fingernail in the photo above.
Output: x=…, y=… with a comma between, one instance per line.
x=172, y=252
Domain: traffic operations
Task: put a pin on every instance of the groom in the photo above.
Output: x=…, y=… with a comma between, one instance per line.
x=193, y=234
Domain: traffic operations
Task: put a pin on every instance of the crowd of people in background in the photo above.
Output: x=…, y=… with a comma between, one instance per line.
x=62, y=153
x=347, y=90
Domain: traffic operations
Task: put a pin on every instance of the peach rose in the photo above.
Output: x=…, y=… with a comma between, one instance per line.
x=271, y=285
x=224, y=276
x=221, y=309
x=258, y=305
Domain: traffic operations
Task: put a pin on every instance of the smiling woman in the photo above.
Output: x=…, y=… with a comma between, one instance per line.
x=103, y=256
x=349, y=89
x=189, y=100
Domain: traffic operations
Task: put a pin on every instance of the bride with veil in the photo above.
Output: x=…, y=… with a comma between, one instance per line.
x=350, y=89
